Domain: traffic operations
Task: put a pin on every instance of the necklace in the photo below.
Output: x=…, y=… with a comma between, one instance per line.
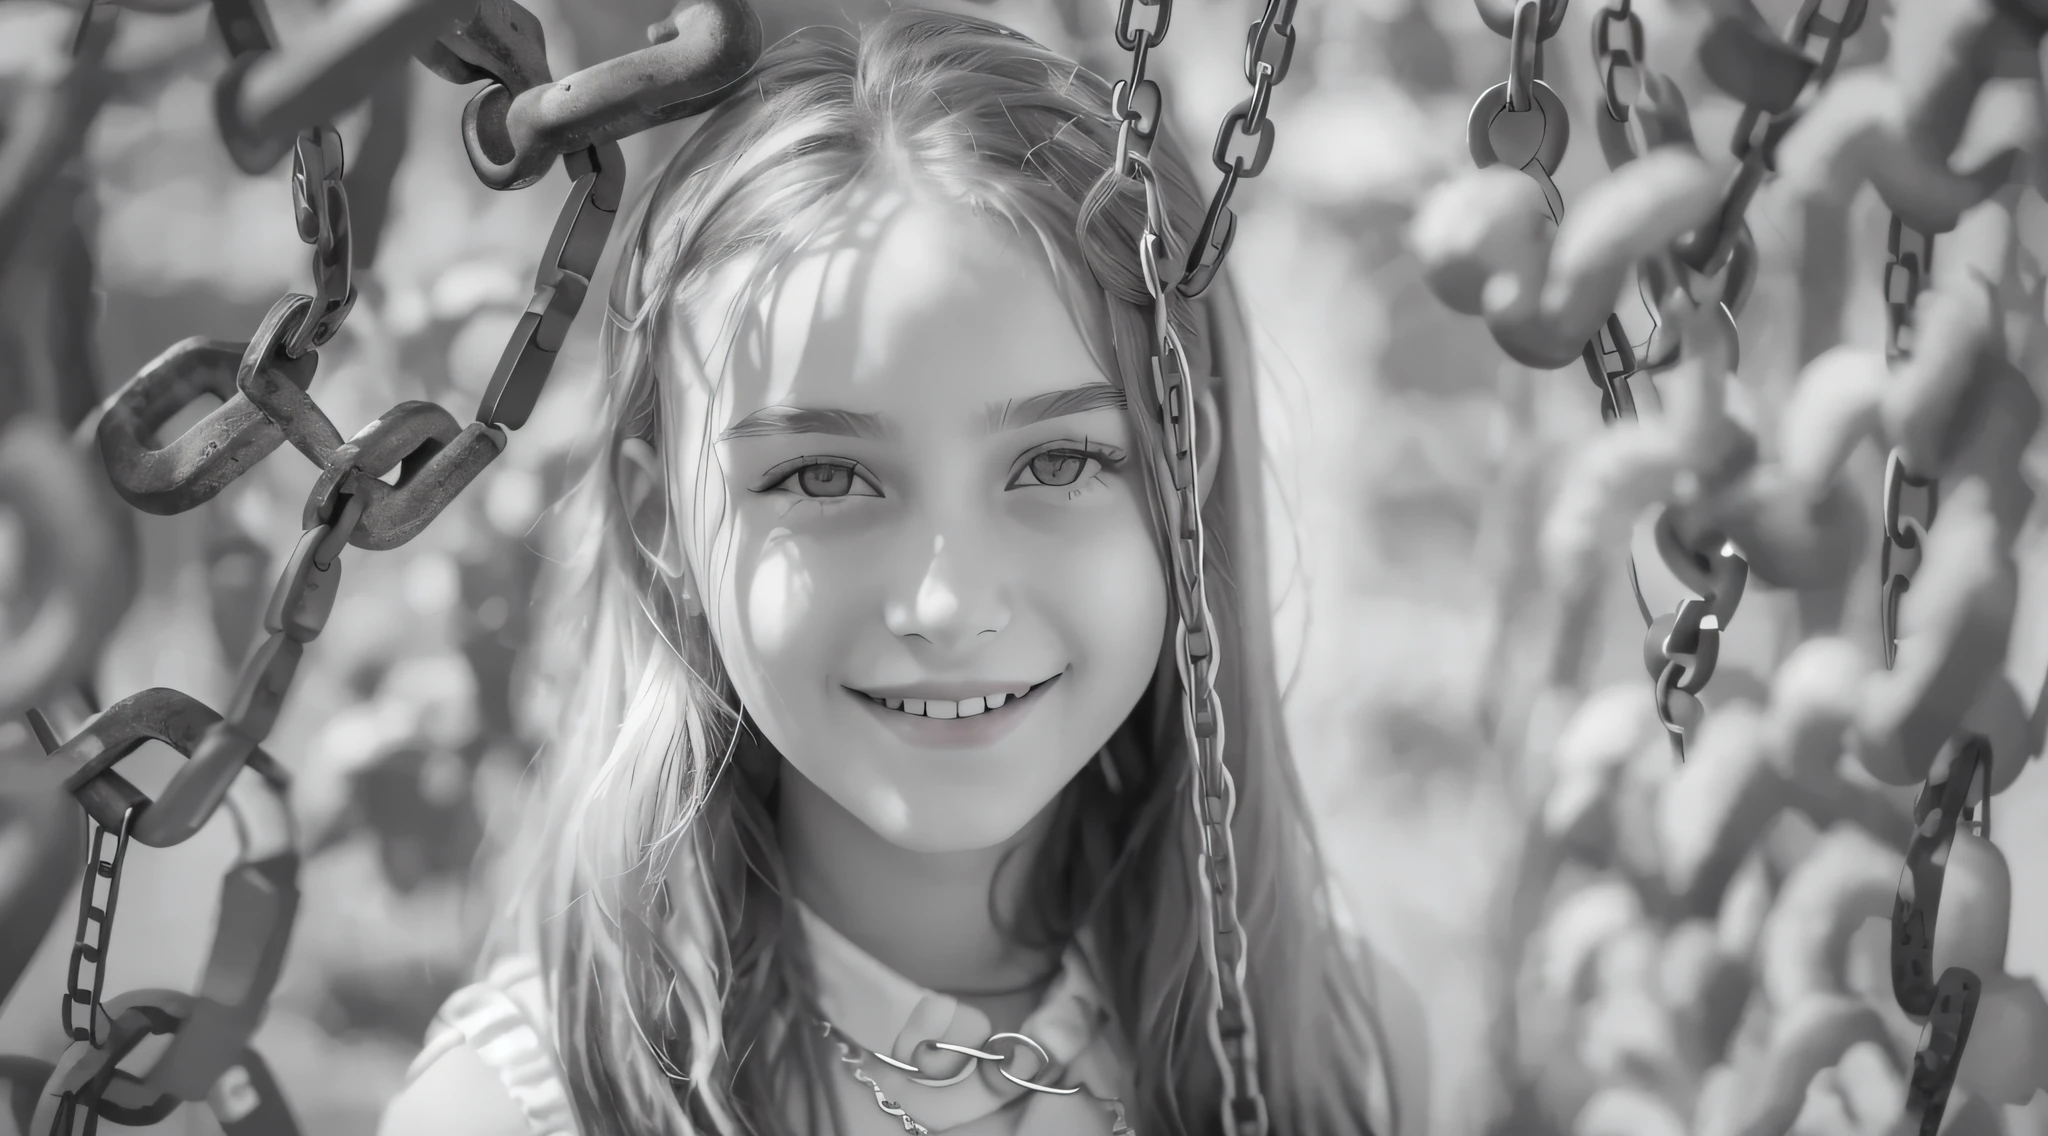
x=854, y=1057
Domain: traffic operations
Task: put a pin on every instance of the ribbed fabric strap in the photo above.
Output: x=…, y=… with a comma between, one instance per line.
x=497, y=1019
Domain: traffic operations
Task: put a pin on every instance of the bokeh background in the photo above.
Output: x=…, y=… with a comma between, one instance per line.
x=1409, y=465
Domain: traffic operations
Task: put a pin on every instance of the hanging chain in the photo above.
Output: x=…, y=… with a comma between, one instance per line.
x=1949, y=1003
x=1775, y=81
x=262, y=104
x=1620, y=65
x=1244, y=140
x=1136, y=102
x=95, y=931
x=1909, y=261
x=1268, y=51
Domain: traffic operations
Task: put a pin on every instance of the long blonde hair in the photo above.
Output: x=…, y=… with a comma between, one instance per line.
x=679, y=977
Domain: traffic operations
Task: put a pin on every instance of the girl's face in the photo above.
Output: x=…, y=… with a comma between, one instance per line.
x=922, y=541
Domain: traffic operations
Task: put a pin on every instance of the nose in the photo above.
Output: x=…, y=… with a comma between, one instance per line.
x=949, y=598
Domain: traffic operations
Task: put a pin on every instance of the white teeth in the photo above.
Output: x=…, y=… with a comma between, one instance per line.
x=944, y=709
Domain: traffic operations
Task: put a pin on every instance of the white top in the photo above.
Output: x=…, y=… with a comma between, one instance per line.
x=503, y=1019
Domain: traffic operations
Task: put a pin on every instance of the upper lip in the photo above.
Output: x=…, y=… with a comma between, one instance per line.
x=953, y=690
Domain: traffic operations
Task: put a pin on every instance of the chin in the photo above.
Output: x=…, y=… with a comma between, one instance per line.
x=947, y=827
x=936, y=819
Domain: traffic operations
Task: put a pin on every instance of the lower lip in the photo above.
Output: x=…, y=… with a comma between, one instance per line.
x=959, y=733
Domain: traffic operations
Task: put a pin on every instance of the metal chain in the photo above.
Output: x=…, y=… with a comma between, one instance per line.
x=1679, y=648
x=1757, y=71
x=92, y=951
x=264, y=384
x=1949, y=1003
x=320, y=206
x=1136, y=103
x=1613, y=60
x=1909, y=261
x=1232, y=1032
x=1776, y=81
x=856, y=1067
x=854, y=1057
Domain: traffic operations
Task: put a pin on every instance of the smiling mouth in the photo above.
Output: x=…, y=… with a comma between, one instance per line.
x=940, y=709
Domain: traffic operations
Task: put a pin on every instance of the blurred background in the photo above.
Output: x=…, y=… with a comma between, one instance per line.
x=1409, y=461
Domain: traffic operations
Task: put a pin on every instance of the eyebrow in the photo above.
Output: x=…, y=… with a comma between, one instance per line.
x=1010, y=414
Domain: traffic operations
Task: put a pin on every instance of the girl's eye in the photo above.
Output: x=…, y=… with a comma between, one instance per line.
x=827, y=479
x=1063, y=467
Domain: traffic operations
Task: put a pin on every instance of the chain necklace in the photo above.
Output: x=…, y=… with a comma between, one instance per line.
x=854, y=1057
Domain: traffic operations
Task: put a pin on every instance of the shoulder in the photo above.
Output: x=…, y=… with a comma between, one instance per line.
x=488, y=1067
x=455, y=1094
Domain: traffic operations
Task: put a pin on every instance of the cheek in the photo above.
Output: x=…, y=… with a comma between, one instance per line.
x=1103, y=583
x=772, y=595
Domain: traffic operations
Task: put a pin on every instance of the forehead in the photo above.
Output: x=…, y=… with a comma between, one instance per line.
x=921, y=311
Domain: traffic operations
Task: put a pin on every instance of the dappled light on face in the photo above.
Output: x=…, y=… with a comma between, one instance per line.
x=779, y=594
x=936, y=600
x=885, y=810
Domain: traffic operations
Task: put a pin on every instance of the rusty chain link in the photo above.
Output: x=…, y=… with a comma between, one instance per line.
x=263, y=389
x=522, y=120
x=1948, y=1003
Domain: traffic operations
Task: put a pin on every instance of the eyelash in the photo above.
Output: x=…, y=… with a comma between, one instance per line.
x=1109, y=460
x=778, y=479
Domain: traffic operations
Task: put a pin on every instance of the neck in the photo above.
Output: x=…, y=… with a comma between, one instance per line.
x=926, y=915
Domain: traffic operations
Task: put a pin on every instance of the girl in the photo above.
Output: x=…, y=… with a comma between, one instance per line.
x=871, y=808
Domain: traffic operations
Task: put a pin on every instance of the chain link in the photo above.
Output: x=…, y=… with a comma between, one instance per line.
x=262, y=386
x=1949, y=1003
x=95, y=930
x=854, y=1057
x=1244, y=140
x=1682, y=648
x=1776, y=82
x=1212, y=791
x=1614, y=60
x=1269, y=50
x=856, y=1066
x=1909, y=260
x=320, y=206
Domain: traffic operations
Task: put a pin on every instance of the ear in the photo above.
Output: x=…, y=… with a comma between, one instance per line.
x=1208, y=439
x=643, y=491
